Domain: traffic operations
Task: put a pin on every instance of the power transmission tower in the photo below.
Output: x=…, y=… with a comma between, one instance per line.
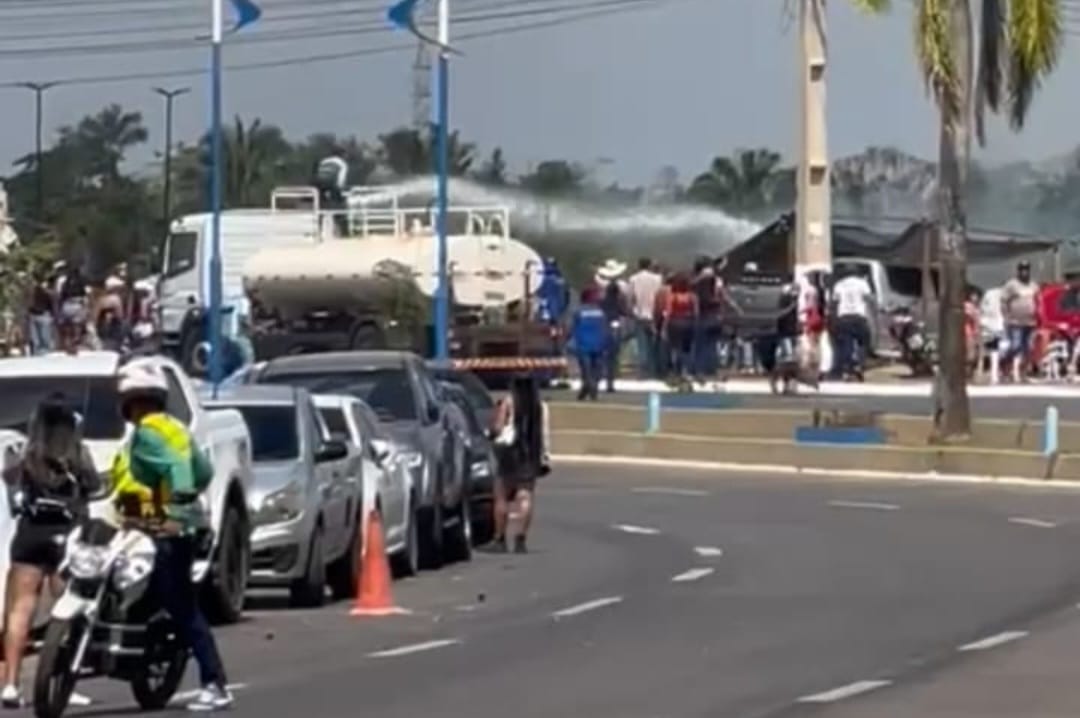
x=421, y=90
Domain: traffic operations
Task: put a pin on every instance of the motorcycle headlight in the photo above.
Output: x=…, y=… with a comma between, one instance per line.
x=87, y=562
x=133, y=568
x=282, y=505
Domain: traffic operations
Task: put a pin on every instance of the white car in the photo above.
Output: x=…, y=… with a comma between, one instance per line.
x=88, y=382
x=387, y=481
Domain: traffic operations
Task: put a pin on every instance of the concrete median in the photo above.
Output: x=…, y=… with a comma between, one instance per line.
x=779, y=438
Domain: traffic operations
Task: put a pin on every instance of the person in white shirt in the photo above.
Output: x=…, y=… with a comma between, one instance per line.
x=853, y=299
x=643, y=287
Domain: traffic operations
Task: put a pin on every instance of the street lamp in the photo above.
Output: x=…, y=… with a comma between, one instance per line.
x=169, y=95
x=38, y=88
x=442, y=163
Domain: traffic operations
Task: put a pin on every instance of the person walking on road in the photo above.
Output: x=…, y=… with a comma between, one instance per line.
x=588, y=337
x=55, y=466
x=159, y=478
x=521, y=429
x=644, y=285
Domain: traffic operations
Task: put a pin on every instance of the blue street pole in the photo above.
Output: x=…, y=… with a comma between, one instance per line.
x=442, y=161
x=215, y=196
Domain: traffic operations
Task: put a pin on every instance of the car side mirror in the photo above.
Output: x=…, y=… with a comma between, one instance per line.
x=332, y=450
x=380, y=450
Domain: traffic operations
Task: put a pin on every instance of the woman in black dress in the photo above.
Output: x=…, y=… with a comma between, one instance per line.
x=521, y=441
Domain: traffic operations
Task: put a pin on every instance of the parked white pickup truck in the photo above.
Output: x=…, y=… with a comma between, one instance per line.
x=87, y=381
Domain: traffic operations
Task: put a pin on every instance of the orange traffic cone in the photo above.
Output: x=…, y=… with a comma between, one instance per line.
x=373, y=595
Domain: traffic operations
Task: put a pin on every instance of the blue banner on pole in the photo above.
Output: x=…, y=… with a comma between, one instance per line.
x=402, y=15
x=247, y=13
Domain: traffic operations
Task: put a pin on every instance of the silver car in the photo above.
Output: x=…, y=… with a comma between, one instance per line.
x=300, y=538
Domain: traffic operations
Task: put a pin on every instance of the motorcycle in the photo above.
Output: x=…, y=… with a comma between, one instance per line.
x=916, y=348
x=106, y=624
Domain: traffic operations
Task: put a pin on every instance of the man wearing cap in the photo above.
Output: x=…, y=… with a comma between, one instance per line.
x=1019, y=299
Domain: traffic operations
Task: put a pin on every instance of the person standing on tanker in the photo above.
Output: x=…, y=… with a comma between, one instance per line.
x=521, y=430
x=55, y=465
x=158, y=480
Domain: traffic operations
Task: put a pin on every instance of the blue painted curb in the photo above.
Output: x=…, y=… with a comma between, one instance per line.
x=839, y=435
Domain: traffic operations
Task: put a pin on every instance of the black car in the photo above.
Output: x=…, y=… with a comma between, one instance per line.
x=480, y=462
x=475, y=390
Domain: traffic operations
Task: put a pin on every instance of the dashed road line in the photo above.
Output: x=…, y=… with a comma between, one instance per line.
x=693, y=574
x=1037, y=523
x=414, y=648
x=669, y=491
x=993, y=641
x=874, y=505
x=586, y=607
x=839, y=694
x=631, y=529
x=709, y=551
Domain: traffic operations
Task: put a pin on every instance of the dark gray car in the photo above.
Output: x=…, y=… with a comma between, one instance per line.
x=405, y=397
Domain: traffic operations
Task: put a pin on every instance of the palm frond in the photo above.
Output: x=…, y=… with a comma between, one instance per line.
x=1035, y=35
x=936, y=57
x=872, y=6
x=992, y=39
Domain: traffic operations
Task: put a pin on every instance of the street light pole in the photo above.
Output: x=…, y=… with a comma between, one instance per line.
x=442, y=162
x=170, y=96
x=38, y=88
x=813, y=232
x=217, y=32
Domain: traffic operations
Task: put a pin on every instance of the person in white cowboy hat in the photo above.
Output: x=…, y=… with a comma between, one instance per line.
x=614, y=300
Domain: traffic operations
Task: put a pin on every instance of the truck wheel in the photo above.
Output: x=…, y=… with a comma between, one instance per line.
x=431, y=533
x=189, y=346
x=343, y=573
x=367, y=336
x=309, y=591
x=227, y=584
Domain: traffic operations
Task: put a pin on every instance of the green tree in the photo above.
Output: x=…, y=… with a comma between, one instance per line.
x=554, y=178
x=408, y=152
x=744, y=183
x=1019, y=42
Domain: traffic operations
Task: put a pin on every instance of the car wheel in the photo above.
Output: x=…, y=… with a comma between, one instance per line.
x=344, y=572
x=407, y=562
x=309, y=591
x=459, y=538
x=431, y=533
x=227, y=583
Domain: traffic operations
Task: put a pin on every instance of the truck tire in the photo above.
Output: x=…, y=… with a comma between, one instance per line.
x=189, y=346
x=309, y=591
x=367, y=336
x=227, y=583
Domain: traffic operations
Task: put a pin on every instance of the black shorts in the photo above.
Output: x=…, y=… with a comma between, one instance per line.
x=39, y=544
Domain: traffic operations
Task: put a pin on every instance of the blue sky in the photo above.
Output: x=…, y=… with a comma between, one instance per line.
x=676, y=84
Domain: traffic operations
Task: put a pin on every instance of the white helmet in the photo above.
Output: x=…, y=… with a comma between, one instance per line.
x=142, y=376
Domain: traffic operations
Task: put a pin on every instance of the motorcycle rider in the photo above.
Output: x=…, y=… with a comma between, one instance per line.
x=55, y=466
x=160, y=476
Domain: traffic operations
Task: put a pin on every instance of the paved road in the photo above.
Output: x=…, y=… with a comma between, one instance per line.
x=1031, y=408
x=652, y=595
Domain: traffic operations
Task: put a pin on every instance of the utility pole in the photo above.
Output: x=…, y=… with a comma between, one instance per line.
x=813, y=219
x=169, y=95
x=421, y=91
x=442, y=162
x=38, y=88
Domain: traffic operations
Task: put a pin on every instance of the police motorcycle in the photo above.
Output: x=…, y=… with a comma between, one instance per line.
x=105, y=624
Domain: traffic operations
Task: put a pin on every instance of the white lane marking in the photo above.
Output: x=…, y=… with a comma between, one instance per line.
x=864, y=505
x=692, y=575
x=631, y=529
x=1037, y=523
x=193, y=693
x=669, y=491
x=839, y=694
x=993, y=641
x=414, y=648
x=709, y=551
x=587, y=606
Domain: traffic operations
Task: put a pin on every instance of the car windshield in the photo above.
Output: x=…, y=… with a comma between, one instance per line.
x=335, y=421
x=95, y=398
x=477, y=394
x=387, y=391
x=273, y=431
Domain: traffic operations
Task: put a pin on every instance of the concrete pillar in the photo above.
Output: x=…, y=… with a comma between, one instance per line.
x=813, y=236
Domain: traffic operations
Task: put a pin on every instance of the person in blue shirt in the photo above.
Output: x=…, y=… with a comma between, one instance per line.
x=553, y=293
x=589, y=335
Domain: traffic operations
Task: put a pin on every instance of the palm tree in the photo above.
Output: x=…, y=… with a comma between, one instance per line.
x=745, y=183
x=1019, y=42
x=408, y=152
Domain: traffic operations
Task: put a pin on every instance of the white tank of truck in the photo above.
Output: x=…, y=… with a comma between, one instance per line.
x=373, y=241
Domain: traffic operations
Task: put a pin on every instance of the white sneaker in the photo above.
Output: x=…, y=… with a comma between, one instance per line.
x=11, y=698
x=211, y=698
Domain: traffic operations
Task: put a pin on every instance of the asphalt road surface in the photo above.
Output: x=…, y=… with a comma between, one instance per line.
x=659, y=594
